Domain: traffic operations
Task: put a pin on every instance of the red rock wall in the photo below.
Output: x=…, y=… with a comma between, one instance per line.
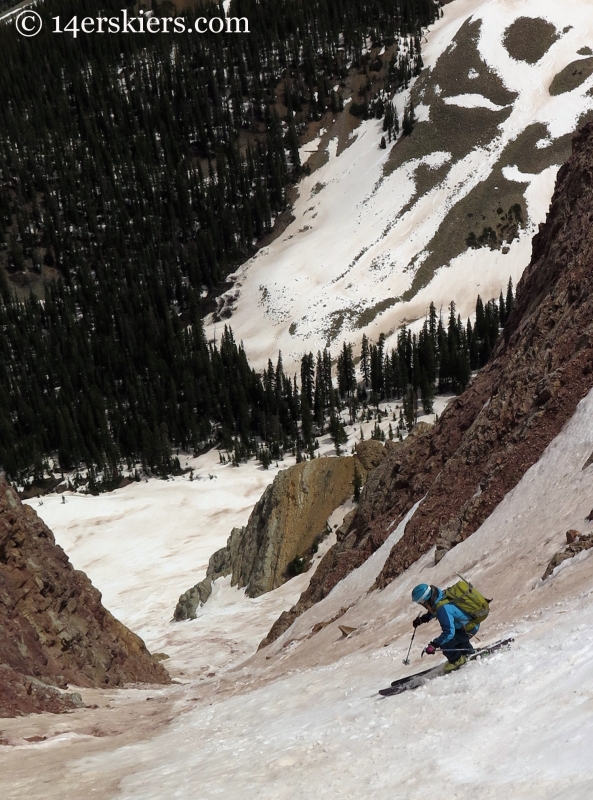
x=53, y=627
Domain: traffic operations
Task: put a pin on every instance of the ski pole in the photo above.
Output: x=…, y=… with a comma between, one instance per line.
x=407, y=658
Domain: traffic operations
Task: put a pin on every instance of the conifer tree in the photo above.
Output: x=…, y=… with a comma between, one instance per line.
x=510, y=299
x=365, y=364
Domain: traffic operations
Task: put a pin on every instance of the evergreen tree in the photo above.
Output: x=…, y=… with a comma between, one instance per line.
x=409, y=120
x=510, y=299
x=365, y=363
x=337, y=431
x=409, y=409
x=346, y=372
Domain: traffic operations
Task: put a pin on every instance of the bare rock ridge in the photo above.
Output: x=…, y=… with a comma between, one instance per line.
x=541, y=367
x=285, y=525
x=53, y=627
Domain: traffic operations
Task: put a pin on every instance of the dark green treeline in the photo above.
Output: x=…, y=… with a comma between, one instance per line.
x=441, y=357
x=98, y=400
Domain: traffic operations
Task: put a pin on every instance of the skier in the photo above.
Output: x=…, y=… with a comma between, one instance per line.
x=458, y=627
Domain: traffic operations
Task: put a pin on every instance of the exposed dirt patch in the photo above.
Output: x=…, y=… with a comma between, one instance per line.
x=336, y=321
x=461, y=70
x=345, y=127
x=427, y=178
x=450, y=128
x=283, y=220
x=475, y=212
x=479, y=210
x=343, y=124
x=523, y=153
x=572, y=76
x=369, y=314
x=530, y=38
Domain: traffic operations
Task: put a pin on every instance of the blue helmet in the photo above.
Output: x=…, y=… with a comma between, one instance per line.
x=421, y=593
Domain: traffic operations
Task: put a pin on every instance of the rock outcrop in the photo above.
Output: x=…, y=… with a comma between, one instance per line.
x=576, y=543
x=53, y=627
x=370, y=453
x=284, y=526
x=487, y=438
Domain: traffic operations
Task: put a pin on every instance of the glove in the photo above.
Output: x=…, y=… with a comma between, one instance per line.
x=430, y=650
x=422, y=619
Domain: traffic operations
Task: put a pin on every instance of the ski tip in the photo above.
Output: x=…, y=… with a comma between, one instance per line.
x=386, y=692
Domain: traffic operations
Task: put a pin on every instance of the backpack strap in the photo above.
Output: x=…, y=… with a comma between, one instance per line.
x=433, y=597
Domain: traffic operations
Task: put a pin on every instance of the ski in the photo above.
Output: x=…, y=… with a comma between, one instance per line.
x=419, y=678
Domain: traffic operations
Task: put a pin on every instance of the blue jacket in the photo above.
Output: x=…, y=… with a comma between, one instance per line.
x=451, y=619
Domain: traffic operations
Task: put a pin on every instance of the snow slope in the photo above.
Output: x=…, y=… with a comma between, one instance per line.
x=302, y=717
x=355, y=243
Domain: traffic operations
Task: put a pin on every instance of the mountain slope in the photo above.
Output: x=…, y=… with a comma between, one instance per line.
x=488, y=437
x=378, y=234
x=302, y=716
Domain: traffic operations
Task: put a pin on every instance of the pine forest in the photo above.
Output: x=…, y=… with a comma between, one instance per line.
x=136, y=173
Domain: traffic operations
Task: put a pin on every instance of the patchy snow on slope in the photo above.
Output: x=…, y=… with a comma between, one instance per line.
x=359, y=236
x=307, y=150
x=472, y=101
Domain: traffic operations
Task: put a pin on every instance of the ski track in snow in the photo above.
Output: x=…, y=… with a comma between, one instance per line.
x=349, y=247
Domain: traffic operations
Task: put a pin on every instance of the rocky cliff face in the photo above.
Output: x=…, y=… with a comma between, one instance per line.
x=53, y=628
x=283, y=526
x=488, y=437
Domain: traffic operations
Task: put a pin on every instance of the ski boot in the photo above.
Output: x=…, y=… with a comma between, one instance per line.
x=449, y=667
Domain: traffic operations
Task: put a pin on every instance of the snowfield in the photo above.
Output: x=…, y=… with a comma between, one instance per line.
x=303, y=717
x=144, y=545
x=517, y=724
x=356, y=241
